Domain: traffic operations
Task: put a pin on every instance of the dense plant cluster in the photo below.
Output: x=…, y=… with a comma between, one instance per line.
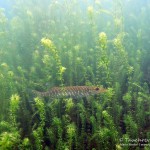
x=67, y=43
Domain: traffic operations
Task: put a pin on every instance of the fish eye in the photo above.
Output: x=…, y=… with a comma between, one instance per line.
x=97, y=89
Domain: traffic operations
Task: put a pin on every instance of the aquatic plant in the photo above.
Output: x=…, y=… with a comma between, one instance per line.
x=118, y=18
x=59, y=68
x=102, y=61
x=10, y=138
x=39, y=131
x=71, y=134
x=3, y=27
x=25, y=144
x=131, y=125
x=90, y=11
x=69, y=104
x=14, y=106
x=58, y=131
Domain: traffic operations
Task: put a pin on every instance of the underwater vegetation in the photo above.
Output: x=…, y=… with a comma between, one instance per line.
x=74, y=75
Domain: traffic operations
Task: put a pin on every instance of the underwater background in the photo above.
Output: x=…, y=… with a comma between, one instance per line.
x=64, y=43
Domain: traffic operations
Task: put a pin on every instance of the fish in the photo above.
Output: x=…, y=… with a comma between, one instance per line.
x=71, y=91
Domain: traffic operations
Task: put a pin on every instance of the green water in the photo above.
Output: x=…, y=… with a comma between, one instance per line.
x=49, y=43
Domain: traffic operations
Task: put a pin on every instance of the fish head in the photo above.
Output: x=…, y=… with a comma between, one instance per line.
x=98, y=90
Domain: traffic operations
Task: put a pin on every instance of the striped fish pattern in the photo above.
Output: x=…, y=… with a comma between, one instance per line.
x=71, y=91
